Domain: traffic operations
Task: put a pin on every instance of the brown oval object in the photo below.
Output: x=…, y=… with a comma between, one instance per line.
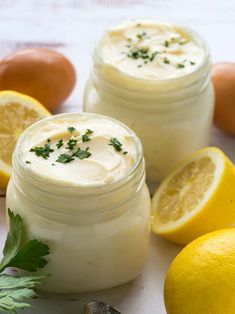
x=38, y=72
x=223, y=77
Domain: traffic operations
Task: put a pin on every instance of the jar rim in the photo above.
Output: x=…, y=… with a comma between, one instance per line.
x=19, y=165
x=97, y=58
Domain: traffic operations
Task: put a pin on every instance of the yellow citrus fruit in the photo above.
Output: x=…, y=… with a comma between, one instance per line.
x=196, y=198
x=201, y=278
x=17, y=112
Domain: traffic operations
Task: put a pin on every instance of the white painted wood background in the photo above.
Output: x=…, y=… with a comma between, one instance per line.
x=72, y=27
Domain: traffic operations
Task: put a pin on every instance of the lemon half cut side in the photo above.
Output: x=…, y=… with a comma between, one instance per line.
x=196, y=198
x=17, y=112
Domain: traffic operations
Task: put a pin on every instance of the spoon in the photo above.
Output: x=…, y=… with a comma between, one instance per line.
x=98, y=307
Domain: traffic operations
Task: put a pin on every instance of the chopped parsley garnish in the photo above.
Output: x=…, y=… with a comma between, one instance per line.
x=192, y=63
x=60, y=143
x=183, y=42
x=142, y=53
x=167, y=61
x=65, y=158
x=180, y=65
x=116, y=144
x=71, y=143
x=166, y=43
x=48, y=140
x=28, y=162
x=140, y=36
x=43, y=151
x=71, y=129
x=85, y=137
x=81, y=154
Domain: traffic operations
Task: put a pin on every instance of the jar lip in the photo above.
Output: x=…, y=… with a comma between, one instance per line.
x=96, y=55
x=18, y=163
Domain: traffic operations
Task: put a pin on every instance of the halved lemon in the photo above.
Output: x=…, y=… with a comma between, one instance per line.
x=196, y=198
x=17, y=112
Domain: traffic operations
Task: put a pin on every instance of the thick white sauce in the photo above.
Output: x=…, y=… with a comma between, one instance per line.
x=98, y=236
x=105, y=164
x=151, y=50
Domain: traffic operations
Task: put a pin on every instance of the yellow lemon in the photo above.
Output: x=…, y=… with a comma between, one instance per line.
x=196, y=198
x=17, y=112
x=201, y=279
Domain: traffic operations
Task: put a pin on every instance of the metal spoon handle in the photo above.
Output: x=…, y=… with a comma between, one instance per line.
x=98, y=307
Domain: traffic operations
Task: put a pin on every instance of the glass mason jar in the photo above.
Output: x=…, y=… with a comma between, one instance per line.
x=172, y=117
x=98, y=235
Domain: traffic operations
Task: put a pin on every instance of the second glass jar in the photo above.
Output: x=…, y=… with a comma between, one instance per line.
x=172, y=117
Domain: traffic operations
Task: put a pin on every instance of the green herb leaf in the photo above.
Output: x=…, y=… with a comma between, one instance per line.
x=166, y=43
x=192, y=63
x=180, y=65
x=64, y=158
x=85, y=137
x=71, y=129
x=116, y=144
x=28, y=162
x=71, y=143
x=43, y=151
x=60, y=143
x=15, y=289
x=167, y=61
x=81, y=154
x=28, y=256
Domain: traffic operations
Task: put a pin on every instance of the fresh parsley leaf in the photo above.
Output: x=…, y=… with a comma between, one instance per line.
x=85, y=137
x=13, y=290
x=71, y=129
x=28, y=162
x=43, y=151
x=28, y=256
x=116, y=144
x=180, y=65
x=81, y=154
x=64, y=158
x=166, y=43
x=60, y=143
x=71, y=143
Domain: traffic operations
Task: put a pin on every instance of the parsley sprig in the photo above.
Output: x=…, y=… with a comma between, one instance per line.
x=27, y=256
x=60, y=143
x=86, y=137
x=117, y=145
x=71, y=143
x=64, y=158
x=81, y=153
x=43, y=151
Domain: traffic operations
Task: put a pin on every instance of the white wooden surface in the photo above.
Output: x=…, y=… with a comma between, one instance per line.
x=72, y=26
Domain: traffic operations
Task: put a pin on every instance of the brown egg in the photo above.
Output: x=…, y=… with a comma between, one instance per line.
x=223, y=77
x=39, y=72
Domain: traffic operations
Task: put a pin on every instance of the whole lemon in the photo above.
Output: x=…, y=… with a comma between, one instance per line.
x=201, y=279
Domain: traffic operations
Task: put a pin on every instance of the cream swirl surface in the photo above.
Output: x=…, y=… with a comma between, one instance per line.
x=87, y=150
x=151, y=50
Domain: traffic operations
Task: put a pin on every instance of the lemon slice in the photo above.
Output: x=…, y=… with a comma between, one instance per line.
x=196, y=198
x=17, y=112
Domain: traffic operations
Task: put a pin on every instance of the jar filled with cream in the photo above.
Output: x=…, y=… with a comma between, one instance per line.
x=78, y=182
x=154, y=77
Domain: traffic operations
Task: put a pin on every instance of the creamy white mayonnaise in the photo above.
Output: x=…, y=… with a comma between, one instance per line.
x=155, y=78
x=151, y=50
x=94, y=212
x=102, y=164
